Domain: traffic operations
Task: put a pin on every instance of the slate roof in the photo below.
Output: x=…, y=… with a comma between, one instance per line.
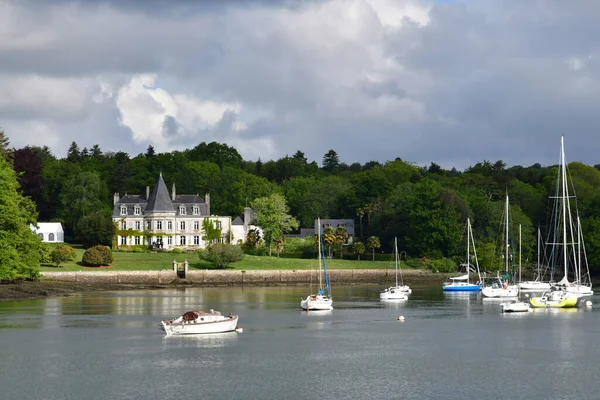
x=160, y=200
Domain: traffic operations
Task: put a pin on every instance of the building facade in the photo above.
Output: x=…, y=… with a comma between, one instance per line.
x=166, y=220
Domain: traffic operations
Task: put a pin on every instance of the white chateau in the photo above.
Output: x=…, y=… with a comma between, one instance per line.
x=171, y=221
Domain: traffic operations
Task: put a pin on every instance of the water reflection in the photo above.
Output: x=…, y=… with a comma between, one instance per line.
x=206, y=341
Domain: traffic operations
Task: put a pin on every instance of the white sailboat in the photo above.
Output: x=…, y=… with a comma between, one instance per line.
x=501, y=287
x=400, y=291
x=564, y=293
x=462, y=283
x=321, y=301
x=516, y=305
x=536, y=285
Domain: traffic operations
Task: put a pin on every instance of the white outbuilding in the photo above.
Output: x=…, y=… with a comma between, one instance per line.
x=50, y=232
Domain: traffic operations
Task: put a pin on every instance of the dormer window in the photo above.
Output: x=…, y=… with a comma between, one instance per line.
x=218, y=224
x=137, y=210
x=182, y=210
x=196, y=210
x=123, y=210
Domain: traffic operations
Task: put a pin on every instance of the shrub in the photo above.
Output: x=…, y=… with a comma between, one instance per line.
x=97, y=256
x=177, y=250
x=62, y=253
x=220, y=255
x=92, y=257
x=443, y=265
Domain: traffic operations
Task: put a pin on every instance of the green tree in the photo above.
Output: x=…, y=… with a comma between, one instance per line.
x=81, y=195
x=331, y=161
x=74, y=154
x=272, y=216
x=4, y=143
x=373, y=243
x=21, y=249
x=358, y=248
x=62, y=253
x=96, y=228
x=252, y=238
x=329, y=239
x=341, y=237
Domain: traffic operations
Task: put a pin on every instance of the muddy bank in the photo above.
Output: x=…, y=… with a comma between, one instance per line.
x=67, y=283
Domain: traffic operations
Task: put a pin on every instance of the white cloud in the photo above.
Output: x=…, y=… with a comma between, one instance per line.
x=156, y=116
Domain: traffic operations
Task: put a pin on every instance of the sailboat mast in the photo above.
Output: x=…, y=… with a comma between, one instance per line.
x=538, y=254
x=468, y=247
x=519, y=253
x=320, y=266
x=564, y=201
x=506, y=233
x=578, y=271
x=396, y=252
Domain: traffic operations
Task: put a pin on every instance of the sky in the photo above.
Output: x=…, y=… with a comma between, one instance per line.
x=454, y=82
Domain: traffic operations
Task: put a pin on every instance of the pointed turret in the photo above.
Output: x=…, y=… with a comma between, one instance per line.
x=159, y=200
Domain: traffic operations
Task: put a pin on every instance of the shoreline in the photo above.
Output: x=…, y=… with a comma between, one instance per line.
x=59, y=284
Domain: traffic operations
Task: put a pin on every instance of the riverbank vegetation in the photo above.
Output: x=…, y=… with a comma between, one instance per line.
x=425, y=207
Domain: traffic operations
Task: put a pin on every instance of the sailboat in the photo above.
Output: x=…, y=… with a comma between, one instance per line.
x=398, y=292
x=462, y=283
x=501, y=287
x=564, y=293
x=516, y=305
x=536, y=285
x=321, y=301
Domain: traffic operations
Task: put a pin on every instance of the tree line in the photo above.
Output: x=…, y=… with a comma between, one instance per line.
x=425, y=207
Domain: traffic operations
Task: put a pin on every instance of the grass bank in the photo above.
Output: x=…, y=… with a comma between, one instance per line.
x=129, y=261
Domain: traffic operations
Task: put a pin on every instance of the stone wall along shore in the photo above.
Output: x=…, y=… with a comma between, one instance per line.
x=233, y=277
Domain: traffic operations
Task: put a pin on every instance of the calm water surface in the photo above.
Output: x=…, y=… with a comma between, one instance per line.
x=108, y=346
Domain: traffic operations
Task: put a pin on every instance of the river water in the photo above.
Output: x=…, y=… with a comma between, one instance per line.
x=108, y=345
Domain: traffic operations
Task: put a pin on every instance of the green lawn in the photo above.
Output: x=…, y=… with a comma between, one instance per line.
x=128, y=261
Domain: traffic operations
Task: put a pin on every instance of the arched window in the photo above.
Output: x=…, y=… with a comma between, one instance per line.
x=196, y=210
x=51, y=237
x=123, y=210
x=137, y=210
x=182, y=210
x=41, y=235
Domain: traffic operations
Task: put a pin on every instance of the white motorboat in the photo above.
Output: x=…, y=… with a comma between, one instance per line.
x=516, y=306
x=321, y=301
x=400, y=291
x=200, y=322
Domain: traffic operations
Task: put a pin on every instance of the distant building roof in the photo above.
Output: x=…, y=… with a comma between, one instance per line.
x=47, y=227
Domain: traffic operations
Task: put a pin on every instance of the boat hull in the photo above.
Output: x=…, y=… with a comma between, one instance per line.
x=395, y=293
x=534, y=286
x=505, y=291
x=228, y=324
x=317, y=303
x=466, y=287
x=553, y=301
x=516, y=306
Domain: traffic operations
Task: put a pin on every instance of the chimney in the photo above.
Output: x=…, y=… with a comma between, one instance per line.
x=173, y=195
x=247, y=219
x=207, y=201
x=115, y=198
x=147, y=192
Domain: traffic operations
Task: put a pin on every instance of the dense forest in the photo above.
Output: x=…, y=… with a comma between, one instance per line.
x=426, y=207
